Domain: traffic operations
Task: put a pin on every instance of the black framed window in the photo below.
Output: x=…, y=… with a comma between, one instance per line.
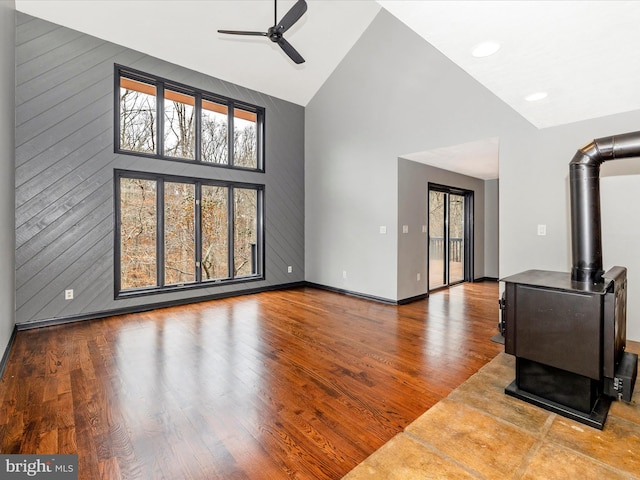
x=178, y=232
x=163, y=119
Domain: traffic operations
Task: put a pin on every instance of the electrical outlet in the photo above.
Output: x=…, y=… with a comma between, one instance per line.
x=405, y=228
x=424, y=229
x=68, y=294
x=289, y=269
x=383, y=229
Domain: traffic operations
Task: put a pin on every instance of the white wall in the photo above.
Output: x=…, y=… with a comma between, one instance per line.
x=621, y=237
x=538, y=192
x=392, y=94
x=491, y=228
x=7, y=175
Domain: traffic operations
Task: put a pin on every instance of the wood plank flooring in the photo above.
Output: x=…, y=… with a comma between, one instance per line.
x=300, y=383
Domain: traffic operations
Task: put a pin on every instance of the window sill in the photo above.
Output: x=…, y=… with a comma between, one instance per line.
x=141, y=292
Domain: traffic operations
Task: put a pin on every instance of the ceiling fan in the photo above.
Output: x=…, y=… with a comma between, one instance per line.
x=275, y=33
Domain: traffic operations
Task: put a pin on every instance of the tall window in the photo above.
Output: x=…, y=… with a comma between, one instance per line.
x=175, y=232
x=163, y=119
x=138, y=232
x=179, y=233
x=245, y=221
x=215, y=228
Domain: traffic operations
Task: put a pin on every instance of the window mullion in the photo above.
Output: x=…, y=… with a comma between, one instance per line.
x=118, y=235
x=160, y=233
x=160, y=116
x=447, y=238
x=230, y=133
x=117, y=108
x=198, y=232
x=231, y=230
x=198, y=132
x=260, y=231
x=260, y=142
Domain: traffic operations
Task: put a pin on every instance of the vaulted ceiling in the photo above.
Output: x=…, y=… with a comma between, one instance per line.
x=583, y=54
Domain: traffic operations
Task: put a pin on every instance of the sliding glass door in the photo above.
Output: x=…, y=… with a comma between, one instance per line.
x=456, y=238
x=437, y=228
x=450, y=224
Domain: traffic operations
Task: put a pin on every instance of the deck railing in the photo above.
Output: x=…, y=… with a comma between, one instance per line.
x=456, y=248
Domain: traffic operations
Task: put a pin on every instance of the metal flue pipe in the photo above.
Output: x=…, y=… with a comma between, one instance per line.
x=584, y=178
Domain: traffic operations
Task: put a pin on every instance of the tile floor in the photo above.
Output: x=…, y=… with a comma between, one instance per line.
x=479, y=432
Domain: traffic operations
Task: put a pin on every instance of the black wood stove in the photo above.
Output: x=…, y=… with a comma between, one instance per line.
x=568, y=330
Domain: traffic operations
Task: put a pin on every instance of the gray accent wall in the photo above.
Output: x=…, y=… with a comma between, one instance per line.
x=7, y=154
x=65, y=163
x=413, y=181
x=392, y=95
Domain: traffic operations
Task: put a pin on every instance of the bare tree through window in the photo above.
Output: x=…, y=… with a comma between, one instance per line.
x=245, y=230
x=179, y=125
x=446, y=238
x=138, y=222
x=140, y=106
x=137, y=116
x=196, y=230
x=215, y=134
x=179, y=233
x=228, y=244
x=245, y=139
x=215, y=232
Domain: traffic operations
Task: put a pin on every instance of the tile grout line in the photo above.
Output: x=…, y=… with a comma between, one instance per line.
x=541, y=437
x=502, y=420
x=606, y=466
x=443, y=455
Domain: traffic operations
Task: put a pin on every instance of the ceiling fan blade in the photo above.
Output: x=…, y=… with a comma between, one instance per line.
x=240, y=32
x=289, y=50
x=292, y=16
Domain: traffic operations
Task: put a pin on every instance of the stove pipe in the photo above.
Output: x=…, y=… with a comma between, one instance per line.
x=584, y=178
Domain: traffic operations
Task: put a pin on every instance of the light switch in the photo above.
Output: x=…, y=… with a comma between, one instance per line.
x=542, y=230
x=383, y=229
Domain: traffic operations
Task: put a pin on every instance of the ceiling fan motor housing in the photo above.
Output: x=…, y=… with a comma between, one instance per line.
x=275, y=33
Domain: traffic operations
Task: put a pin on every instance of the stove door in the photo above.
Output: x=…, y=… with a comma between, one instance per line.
x=559, y=328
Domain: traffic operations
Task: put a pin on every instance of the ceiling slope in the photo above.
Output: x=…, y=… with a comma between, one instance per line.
x=582, y=53
x=184, y=32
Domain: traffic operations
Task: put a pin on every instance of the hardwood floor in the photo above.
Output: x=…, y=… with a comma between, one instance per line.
x=299, y=383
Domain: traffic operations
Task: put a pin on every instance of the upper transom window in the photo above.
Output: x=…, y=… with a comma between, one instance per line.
x=166, y=120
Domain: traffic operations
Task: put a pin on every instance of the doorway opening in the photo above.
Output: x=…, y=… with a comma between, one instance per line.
x=450, y=250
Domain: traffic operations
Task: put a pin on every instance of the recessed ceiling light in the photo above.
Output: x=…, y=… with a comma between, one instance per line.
x=485, y=49
x=534, y=97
